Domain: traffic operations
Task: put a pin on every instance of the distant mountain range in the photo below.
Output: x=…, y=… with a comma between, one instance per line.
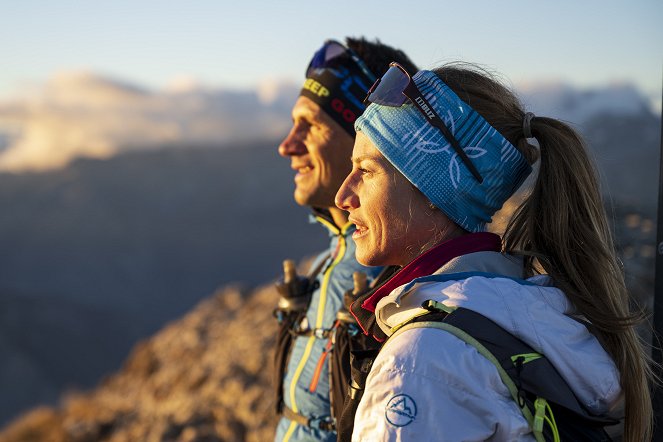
x=579, y=106
x=100, y=253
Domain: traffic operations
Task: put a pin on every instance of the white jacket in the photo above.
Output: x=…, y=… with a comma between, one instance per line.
x=427, y=384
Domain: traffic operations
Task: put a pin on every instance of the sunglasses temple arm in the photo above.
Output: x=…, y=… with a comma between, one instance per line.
x=459, y=150
x=436, y=121
x=370, y=91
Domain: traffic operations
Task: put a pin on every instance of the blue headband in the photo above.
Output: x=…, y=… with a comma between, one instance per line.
x=421, y=153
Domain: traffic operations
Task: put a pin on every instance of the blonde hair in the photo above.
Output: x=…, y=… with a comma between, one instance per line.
x=562, y=230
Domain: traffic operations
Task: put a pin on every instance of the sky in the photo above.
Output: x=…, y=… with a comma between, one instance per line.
x=240, y=44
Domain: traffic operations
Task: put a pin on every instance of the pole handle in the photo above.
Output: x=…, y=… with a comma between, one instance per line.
x=289, y=271
x=360, y=283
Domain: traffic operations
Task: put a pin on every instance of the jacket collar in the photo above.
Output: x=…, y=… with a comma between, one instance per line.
x=363, y=309
x=322, y=216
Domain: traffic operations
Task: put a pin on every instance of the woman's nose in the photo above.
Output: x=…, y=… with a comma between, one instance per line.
x=346, y=198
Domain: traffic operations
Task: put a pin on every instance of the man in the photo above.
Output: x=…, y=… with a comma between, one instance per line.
x=319, y=147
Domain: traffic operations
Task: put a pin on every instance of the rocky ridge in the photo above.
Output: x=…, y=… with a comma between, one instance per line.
x=204, y=377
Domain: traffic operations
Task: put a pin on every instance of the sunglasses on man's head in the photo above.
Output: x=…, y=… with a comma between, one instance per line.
x=395, y=87
x=330, y=53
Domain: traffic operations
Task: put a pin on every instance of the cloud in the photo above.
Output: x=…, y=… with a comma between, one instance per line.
x=79, y=114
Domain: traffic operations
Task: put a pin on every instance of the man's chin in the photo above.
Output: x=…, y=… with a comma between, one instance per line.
x=311, y=200
x=301, y=199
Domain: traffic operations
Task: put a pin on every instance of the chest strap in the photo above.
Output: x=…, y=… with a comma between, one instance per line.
x=319, y=333
x=324, y=423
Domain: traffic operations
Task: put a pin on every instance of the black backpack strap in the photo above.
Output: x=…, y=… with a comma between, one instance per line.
x=531, y=370
x=352, y=358
x=534, y=383
x=362, y=354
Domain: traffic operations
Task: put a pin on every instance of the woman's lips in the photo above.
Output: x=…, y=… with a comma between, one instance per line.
x=361, y=229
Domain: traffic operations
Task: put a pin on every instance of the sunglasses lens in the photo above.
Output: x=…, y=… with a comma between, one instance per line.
x=389, y=92
x=329, y=51
x=333, y=50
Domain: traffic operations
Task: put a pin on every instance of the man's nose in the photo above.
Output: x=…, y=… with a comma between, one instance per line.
x=292, y=144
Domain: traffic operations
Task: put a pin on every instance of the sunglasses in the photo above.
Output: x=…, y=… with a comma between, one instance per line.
x=333, y=52
x=395, y=87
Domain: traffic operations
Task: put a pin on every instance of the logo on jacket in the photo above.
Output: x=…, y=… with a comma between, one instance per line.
x=401, y=410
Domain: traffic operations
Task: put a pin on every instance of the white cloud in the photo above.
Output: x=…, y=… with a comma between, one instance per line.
x=85, y=114
x=271, y=90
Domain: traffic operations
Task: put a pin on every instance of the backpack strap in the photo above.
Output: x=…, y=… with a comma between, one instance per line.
x=323, y=423
x=529, y=376
x=465, y=337
x=290, y=325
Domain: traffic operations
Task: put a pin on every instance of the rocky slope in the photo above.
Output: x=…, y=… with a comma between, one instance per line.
x=204, y=377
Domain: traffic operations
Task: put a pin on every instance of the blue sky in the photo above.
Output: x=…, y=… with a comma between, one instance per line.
x=238, y=44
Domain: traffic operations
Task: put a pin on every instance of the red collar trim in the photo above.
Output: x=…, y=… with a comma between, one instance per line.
x=428, y=262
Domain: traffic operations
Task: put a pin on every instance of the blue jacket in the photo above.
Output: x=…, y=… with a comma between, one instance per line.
x=305, y=392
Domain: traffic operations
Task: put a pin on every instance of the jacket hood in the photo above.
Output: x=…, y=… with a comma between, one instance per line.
x=533, y=310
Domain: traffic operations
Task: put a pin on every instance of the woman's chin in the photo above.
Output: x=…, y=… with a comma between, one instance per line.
x=363, y=259
x=370, y=259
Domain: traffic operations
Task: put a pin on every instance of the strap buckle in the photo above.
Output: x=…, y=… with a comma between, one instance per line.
x=322, y=423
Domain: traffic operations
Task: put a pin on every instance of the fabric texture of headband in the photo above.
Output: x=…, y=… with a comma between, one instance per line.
x=339, y=90
x=421, y=153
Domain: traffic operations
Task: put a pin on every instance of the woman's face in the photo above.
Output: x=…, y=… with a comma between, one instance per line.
x=394, y=220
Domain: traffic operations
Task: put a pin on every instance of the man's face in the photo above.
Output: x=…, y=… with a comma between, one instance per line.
x=319, y=151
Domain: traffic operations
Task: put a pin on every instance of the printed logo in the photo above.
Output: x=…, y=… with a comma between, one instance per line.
x=427, y=110
x=316, y=87
x=401, y=410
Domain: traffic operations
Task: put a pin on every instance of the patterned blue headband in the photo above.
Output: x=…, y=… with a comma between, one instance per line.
x=422, y=154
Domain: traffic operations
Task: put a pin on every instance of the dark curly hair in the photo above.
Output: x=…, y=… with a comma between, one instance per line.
x=377, y=55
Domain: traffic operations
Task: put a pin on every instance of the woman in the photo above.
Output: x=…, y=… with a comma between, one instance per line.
x=435, y=156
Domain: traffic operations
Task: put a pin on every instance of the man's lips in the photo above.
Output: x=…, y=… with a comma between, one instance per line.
x=302, y=170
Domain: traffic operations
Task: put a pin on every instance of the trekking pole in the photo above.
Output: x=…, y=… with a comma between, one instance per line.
x=657, y=354
x=289, y=271
x=294, y=289
x=360, y=284
x=359, y=279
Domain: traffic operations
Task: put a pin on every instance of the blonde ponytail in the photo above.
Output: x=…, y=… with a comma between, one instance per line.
x=562, y=230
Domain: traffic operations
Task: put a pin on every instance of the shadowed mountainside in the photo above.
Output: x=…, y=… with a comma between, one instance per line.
x=102, y=253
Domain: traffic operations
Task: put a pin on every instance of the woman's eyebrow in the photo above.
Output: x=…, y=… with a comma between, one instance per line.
x=361, y=158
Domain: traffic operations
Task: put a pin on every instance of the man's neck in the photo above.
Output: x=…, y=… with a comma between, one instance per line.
x=339, y=216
